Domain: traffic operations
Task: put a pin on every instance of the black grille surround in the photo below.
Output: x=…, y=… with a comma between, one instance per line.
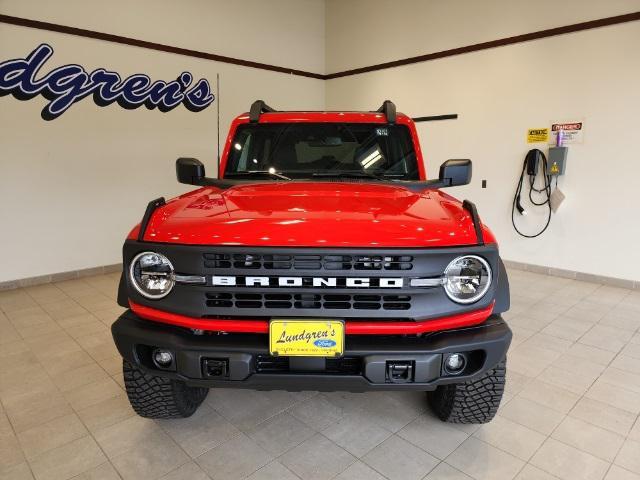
x=306, y=301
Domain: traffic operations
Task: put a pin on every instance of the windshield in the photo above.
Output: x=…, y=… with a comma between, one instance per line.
x=311, y=150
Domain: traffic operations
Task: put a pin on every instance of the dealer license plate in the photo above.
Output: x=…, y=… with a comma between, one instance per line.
x=307, y=338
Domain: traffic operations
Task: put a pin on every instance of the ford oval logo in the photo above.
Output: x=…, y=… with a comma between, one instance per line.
x=324, y=343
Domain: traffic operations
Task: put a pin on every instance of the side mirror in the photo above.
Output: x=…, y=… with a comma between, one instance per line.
x=190, y=171
x=455, y=172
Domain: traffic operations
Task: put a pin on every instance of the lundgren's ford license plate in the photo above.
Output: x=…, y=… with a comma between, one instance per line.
x=307, y=338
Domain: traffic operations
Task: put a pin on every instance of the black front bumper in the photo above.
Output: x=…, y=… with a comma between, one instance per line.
x=242, y=358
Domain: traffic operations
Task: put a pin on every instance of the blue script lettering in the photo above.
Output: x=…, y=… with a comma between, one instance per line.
x=69, y=84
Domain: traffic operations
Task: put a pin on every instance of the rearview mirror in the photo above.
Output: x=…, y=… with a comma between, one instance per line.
x=190, y=171
x=455, y=172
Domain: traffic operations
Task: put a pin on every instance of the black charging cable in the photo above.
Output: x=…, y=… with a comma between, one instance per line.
x=530, y=167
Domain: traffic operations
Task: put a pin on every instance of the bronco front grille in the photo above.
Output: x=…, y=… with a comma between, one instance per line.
x=353, y=284
x=307, y=262
x=307, y=301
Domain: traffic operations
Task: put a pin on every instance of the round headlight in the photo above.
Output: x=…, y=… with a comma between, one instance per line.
x=152, y=275
x=466, y=279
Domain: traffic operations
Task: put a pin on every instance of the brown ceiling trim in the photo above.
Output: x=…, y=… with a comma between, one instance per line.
x=81, y=32
x=551, y=32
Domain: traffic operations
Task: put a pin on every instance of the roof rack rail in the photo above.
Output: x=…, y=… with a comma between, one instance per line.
x=389, y=109
x=258, y=107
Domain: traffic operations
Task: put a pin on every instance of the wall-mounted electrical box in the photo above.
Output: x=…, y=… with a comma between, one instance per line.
x=557, y=160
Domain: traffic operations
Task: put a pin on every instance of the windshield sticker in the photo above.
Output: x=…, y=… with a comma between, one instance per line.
x=382, y=132
x=68, y=84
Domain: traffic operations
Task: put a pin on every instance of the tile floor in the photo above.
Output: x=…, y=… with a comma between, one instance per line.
x=570, y=411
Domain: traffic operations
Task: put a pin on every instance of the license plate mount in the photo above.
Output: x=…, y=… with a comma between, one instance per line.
x=306, y=338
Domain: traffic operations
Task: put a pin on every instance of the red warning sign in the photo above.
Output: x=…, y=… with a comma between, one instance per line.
x=566, y=126
x=572, y=132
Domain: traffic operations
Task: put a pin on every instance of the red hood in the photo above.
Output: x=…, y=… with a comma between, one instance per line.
x=324, y=214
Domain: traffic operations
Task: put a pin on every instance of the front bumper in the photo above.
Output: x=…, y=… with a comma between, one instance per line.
x=243, y=361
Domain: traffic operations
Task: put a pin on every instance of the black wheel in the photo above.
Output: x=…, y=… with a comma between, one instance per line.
x=158, y=397
x=476, y=401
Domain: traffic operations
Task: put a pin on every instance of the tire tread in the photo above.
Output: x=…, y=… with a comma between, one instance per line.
x=475, y=401
x=152, y=396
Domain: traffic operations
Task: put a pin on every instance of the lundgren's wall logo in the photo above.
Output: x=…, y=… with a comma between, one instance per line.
x=69, y=84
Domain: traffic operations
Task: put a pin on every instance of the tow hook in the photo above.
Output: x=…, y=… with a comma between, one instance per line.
x=400, y=371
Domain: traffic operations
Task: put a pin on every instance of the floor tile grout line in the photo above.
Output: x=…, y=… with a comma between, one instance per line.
x=15, y=434
x=75, y=411
x=29, y=293
x=284, y=466
x=490, y=445
x=320, y=432
x=357, y=459
x=241, y=432
x=572, y=408
x=237, y=435
x=89, y=432
x=555, y=428
x=392, y=433
x=450, y=466
x=566, y=415
x=541, y=469
x=419, y=447
x=328, y=439
x=434, y=467
x=103, y=463
x=185, y=452
x=632, y=472
x=626, y=436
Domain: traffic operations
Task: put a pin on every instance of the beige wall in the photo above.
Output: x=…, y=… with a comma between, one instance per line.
x=71, y=188
x=367, y=32
x=280, y=32
x=591, y=75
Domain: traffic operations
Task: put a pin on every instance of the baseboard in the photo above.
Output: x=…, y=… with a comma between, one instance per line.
x=60, y=277
x=574, y=275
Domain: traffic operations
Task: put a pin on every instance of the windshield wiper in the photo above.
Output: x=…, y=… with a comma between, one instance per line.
x=269, y=173
x=352, y=175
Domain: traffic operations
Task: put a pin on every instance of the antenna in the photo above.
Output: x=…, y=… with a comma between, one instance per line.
x=218, y=111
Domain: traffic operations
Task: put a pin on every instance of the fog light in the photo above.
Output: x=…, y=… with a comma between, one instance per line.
x=162, y=358
x=455, y=363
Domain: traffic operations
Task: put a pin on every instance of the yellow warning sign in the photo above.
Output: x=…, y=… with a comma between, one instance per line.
x=554, y=169
x=535, y=135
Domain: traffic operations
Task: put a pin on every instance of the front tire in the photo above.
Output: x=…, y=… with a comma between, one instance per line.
x=475, y=401
x=158, y=397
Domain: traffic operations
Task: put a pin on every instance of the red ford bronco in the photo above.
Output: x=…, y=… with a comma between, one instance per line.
x=321, y=259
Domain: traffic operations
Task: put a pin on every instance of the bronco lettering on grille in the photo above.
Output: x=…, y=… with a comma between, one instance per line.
x=319, y=282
